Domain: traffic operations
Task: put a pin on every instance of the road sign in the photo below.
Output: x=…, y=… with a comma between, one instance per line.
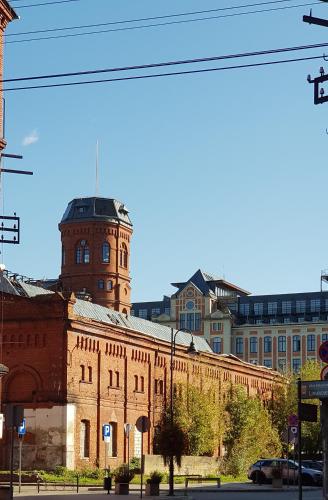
x=106, y=432
x=21, y=429
x=323, y=351
x=292, y=420
x=308, y=413
x=127, y=429
x=143, y=424
x=314, y=389
x=324, y=373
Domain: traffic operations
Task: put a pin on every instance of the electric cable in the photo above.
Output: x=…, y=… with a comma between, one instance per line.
x=45, y=3
x=159, y=75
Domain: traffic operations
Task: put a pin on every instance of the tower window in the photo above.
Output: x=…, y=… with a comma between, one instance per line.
x=109, y=285
x=124, y=256
x=82, y=253
x=101, y=284
x=106, y=252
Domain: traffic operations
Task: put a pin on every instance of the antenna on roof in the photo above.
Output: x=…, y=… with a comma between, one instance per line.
x=97, y=162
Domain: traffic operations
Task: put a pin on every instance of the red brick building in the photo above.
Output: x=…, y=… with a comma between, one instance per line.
x=76, y=364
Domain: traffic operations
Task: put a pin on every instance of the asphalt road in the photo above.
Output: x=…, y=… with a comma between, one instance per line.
x=315, y=494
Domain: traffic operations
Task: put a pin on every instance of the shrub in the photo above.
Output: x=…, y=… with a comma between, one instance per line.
x=60, y=470
x=155, y=477
x=135, y=464
x=92, y=473
x=123, y=474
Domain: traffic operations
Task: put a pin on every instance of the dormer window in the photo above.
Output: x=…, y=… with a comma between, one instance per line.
x=82, y=253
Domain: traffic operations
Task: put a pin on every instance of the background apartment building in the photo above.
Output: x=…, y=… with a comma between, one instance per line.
x=278, y=331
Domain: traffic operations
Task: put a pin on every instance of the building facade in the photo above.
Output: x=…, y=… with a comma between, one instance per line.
x=278, y=331
x=76, y=364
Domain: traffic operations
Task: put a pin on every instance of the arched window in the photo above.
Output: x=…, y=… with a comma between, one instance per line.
x=117, y=374
x=142, y=384
x=82, y=253
x=90, y=373
x=124, y=255
x=101, y=284
x=109, y=285
x=105, y=252
x=136, y=382
x=85, y=439
x=82, y=373
x=110, y=378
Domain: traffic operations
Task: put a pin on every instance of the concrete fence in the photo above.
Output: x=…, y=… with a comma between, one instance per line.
x=189, y=465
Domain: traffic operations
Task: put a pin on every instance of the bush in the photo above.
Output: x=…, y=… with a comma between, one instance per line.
x=123, y=474
x=135, y=464
x=92, y=473
x=60, y=470
x=155, y=477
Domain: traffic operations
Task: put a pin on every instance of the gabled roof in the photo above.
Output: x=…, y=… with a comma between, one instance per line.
x=201, y=279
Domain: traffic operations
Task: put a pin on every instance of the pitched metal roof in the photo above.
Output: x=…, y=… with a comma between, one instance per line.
x=153, y=330
x=96, y=209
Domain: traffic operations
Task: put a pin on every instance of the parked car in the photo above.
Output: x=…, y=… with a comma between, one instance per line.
x=261, y=471
x=313, y=464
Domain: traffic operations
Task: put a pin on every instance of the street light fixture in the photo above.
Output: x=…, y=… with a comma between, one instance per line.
x=192, y=351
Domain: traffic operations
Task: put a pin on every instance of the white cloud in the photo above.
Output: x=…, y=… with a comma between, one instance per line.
x=31, y=138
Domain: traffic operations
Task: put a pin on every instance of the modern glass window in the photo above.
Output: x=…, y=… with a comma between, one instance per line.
x=155, y=311
x=217, y=345
x=296, y=343
x=244, y=309
x=286, y=307
x=315, y=305
x=282, y=365
x=105, y=252
x=272, y=307
x=167, y=311
x=85, y=439
x=258, y=308
x=310, y=342
x=239, y=345
x=326, y=304
x=267, y=363
x=296, y=365
x=143, y=313
x=267, y=344
x=282, y=343
x=253, y=344
x=101, y=284
x=300, y=306
x=82, y=253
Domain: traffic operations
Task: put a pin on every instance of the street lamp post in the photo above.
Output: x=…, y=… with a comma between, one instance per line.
x=192, y=351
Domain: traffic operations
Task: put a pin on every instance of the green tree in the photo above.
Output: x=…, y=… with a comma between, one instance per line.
x=249, y=432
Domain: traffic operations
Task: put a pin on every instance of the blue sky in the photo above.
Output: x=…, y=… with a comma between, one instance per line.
x=224, y=171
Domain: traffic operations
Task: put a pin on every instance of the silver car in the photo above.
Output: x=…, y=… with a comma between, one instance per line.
x=261, y=472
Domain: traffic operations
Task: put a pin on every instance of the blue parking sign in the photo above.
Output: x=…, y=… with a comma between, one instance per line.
x=21, y=429
x=106, y=431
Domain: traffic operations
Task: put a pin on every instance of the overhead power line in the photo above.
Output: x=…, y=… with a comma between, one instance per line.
x=44, y=3
x=167, y=23
x=159, y=75
x=153, y=18
x=171, y=63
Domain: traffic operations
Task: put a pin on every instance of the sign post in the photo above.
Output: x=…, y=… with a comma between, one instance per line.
x=143, y=425
x=21, y=429
x=106, y=439
x=127, y=429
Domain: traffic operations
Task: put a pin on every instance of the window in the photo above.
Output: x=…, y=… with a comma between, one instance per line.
x=286, y=320
x=239, y=345
x=233, y=307
x=109, y=285
x=286, y=307
x=82, y=373
x=282, y=365
x=85, y=439
x=253, y=344
x=272, y=307
x=267, y=363
x=217, y=345
x=296, y=365
x=300, y=306
x=190, y=321
x=105, y=252
x=324, y=337
x=315, y=318
x=273, y=321
x=326, y=304
x=143, y=313
x=310, y=342
x=301, y=319
x=296, y=343
x=258, y=322
x=142, y=384
x=82, y=253
x=63, y=256
x=161, y=387
x=110, y=373
x=124, y=255
x=282, y=343
x=217, y=327
x=136, y=385
x=132, y=312
x=155, y=311
x=244, y=309
x=90, y=373
x=315, y=305
x=167, y=310
x=117, y=375
x=101, y=284
x=258, y=308
x=253, y=361
x=267, y=344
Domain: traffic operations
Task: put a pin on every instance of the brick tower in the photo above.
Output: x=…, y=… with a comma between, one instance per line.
x=96, y=234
